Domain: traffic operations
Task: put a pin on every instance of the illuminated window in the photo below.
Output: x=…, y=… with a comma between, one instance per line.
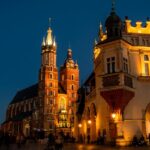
x=146, y=58
x=146, y=65
x=125, y=65
x=72, y=87
x=51, y=68
x=143, y=41
x=46, y=59
x=54, y=101
x=147, y=41
x=51, y=76
x=51, y=93
x=54, y=93
x=111, y=65
x=137, y=41
x=72, y=95
x=51, y=85
x=62, y=77
x=72, y=77
x=132, y=41
x=146, y=69
x=51, y=101
x=69, y=103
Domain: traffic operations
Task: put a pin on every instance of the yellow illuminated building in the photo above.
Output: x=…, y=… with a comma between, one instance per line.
x=115, y=99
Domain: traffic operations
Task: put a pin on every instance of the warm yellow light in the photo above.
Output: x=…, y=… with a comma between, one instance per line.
x=138, y=28
x=113, y=115
x=89, y=121
x=79, y=125
x=63, y=111
x=96, y=52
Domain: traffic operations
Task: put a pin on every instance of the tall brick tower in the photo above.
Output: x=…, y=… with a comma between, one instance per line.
x=48, y=83
x=69, y=77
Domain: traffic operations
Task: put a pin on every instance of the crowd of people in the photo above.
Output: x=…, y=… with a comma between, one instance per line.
x=53, y=141
x=7, y=138
x=56, y=141
x=139, y=141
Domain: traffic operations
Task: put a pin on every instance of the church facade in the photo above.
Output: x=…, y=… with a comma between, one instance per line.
x=115, y=99
x=47, y=106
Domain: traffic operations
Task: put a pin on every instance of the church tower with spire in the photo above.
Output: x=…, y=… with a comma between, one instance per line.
x=48, y=82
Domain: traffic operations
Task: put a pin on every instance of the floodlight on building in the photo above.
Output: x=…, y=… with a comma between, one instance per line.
x=89, y=121
x=79, y=125
x=113, y=115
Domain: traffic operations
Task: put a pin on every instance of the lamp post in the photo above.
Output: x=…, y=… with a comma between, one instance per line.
x=89, y=122
x=89, y=131
x=79, y=137
x=113, y=127
x=113, y=115
x=79, y=125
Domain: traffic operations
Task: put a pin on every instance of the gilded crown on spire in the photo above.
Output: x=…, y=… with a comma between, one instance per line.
x=49, y=38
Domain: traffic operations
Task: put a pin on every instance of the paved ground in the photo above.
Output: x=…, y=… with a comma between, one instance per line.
x=73, y=147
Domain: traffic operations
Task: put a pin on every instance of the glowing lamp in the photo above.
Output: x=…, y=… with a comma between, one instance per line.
x=89, y=121
x=113, y=115
x=79, y=125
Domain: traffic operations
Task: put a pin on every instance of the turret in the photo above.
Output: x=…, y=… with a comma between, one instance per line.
x=100, y=31
x=113, y=25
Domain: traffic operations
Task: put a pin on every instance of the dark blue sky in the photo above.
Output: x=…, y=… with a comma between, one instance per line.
x=23, y=23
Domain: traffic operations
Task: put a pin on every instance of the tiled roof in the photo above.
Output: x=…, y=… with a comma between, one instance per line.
x=26, y=93
x=22, y=116
x=19, y=117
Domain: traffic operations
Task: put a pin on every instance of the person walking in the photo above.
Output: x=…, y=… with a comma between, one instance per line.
x=88, y=139
x=51, y=142
x=18, y=140
x=7, y=140
x=59, y=142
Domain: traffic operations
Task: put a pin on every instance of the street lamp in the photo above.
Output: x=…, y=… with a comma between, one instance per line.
x=113, y=115
x=79, y=125
x=89, y=121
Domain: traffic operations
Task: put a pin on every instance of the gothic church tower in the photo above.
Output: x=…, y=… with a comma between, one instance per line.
x=48, y=82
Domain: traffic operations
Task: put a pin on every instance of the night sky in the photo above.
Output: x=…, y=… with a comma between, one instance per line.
x=23, y=23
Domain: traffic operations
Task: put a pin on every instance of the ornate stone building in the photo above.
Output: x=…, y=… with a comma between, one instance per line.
x=49, y=104
x=117, y=94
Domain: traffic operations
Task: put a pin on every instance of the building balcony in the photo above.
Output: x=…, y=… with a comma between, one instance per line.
x=117, y=89
x=117, y=80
